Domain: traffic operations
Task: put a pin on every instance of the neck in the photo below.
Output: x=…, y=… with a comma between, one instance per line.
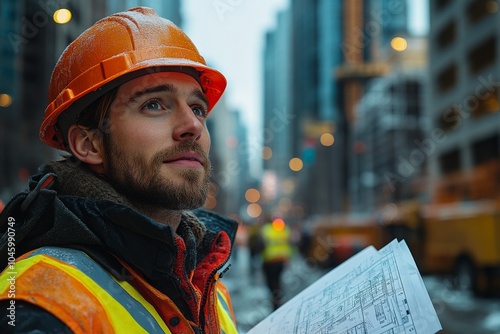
x=163, y=216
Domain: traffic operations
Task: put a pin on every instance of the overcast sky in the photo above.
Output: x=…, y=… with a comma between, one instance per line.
x=230, y=35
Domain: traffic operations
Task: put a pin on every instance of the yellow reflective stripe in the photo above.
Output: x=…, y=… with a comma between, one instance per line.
x=137, y=296
x=119, y=317
x=17, y=271
x=226, y=321
x=223, y=301
x=140, y=310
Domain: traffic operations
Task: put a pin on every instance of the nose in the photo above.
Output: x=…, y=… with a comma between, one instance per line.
x=187, y=125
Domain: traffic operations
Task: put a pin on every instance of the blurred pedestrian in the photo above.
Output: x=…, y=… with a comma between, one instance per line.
x=255, y=247
x=108, y=239
x=277, y=250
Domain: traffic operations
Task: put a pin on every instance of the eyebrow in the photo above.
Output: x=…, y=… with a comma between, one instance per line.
x=155, y=89
x=168, y=88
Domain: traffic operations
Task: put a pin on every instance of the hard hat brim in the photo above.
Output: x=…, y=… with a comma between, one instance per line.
x=112, y=73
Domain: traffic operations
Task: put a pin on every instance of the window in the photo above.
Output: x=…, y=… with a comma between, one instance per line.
x=447, y=35
x=413, y=98
x=447, y=78
x=440, y=4
x=486, y=104
x=483, y=55
x=450, y=119
x=479, y=9
x=450, y=162
x=485, y=150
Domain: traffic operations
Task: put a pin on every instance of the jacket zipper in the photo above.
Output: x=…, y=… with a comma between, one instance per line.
x=206, y=289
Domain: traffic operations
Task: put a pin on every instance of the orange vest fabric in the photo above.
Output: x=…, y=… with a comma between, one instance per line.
x=88, y=299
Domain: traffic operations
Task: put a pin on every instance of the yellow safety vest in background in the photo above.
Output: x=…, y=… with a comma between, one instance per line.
x=276, y=243
x=88, y=299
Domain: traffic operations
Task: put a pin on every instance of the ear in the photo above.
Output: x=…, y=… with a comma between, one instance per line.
x=86, y=146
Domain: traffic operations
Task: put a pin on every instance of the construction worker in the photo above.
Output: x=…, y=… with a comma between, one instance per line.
x=108, y=239
x=276, y=238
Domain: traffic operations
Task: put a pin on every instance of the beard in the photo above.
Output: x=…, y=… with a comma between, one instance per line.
x=141, y=182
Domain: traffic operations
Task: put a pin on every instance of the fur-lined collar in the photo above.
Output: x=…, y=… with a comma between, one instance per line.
x=76, y=179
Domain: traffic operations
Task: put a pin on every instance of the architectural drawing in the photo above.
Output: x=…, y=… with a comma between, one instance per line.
x=382, y=293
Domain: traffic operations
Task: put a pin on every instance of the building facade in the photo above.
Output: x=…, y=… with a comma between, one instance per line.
x=386, y=156
x=277, y=117
x=464, y=56
x=336, y=49
x=230, y=165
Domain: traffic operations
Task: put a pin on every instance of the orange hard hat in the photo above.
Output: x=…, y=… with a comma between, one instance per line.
x=114, y=50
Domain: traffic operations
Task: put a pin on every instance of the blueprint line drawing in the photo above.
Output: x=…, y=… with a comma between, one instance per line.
x=374, y=292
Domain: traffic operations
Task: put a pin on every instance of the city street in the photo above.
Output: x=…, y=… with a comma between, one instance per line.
x=459, y=311
x=249, y=294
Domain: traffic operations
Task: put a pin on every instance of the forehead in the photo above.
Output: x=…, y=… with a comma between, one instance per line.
x=155, y=79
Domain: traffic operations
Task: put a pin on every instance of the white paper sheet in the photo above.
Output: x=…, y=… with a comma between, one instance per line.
x=372, y=292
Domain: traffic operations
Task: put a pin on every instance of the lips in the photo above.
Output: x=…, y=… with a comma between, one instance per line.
x=187, y=159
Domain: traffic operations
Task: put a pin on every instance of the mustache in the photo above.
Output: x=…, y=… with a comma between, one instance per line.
x=182, y=147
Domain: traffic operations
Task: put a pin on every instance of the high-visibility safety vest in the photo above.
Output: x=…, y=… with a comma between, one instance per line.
x=88, y=299
x=276, y=243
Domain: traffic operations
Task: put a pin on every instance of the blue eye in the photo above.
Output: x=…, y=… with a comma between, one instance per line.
x=200, y=111
x=152, y=105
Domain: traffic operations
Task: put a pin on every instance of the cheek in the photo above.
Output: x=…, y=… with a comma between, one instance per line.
x=208, y=140
x=137, y=137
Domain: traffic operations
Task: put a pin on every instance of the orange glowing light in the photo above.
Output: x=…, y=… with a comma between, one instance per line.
x=278, y=224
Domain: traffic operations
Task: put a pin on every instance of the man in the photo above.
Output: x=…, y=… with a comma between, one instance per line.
x=276, y=238
x=104, y=241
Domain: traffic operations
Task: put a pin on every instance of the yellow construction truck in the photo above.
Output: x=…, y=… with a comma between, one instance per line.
x=335, y=238
x=463, y=239
x=459, y=240
x=455, y=233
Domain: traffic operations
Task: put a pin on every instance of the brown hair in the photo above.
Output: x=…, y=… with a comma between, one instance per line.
x=96, y=115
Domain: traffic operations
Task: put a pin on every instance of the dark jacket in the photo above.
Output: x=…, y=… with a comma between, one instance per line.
x=68, y=206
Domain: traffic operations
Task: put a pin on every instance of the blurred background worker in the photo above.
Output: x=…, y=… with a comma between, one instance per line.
x=277, y=250
x=254, y=248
